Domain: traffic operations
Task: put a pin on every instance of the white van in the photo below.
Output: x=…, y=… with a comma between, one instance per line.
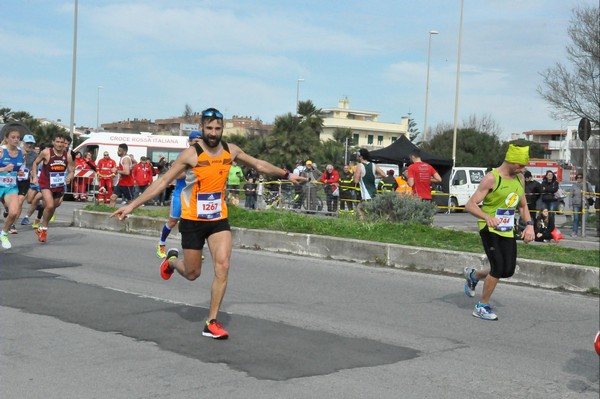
x=463, y=183
x=148, y=145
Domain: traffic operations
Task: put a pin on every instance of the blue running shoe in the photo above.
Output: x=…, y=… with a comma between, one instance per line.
x=484, y=311
x=25, y=221
x=471, y=282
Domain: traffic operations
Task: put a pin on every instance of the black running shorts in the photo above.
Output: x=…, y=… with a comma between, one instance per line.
x=501, y=252
x=195, y=233
x=125, y=192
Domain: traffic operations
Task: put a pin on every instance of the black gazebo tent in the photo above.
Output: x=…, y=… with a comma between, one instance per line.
x=398, y=153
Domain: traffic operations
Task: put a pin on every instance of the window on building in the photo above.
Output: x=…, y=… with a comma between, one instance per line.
x=355, y=139
x=394, y=138
x=370, y=139
x=379, y=140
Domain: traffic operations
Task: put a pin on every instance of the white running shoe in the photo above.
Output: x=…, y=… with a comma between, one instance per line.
x=484, y=311
x=5, y=243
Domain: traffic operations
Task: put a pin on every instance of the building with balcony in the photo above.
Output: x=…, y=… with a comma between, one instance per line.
x=556, y=143
x=367, y=131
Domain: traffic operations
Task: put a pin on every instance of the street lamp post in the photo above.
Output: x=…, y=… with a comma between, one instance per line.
x=462, y=3
x=298, y=93
x=98, y=109
x=74, y=73
x=431, y=32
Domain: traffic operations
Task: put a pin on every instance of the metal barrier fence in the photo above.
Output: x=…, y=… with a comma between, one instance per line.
x=314, y=198
x=83, y=187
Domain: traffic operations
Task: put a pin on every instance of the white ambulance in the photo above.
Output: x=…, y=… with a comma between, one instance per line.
x=145, y=144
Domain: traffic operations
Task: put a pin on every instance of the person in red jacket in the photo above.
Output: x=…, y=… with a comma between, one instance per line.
x=142, y=175
x=78, y=184
x=331, y=180
x=105, y=178
x=82, y=184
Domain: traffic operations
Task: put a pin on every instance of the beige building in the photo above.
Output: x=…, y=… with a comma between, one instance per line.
x=555, y=142
x=368, y=132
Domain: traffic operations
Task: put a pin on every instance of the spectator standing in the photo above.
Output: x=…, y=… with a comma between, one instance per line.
x=331, y=180
x=298, y=189
x=421, y=175
x=250, y=191
x=549, y=189
x=347, y=192
x=388, y=184
x=234, y=181
x=312, y=176
x=533, y=190
x=78, y=184
x=142, y=175
x=402, y=181
x=260, y=189
x=90, y=165
x=544, y=225
x=579, y=200
x=105, y=168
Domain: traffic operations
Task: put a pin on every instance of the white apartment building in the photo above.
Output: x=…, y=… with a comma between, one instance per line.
x=368, y=132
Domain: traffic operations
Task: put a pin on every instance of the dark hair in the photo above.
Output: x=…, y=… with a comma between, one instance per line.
x=123, y=146
x=364, y=153
x=211, y=114
x=527, y=174
x=415, y=153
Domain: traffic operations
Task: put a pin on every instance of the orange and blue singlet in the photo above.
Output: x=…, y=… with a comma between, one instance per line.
x=203, y=198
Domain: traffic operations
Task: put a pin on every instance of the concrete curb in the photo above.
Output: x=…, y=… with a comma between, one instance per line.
x=529, y=272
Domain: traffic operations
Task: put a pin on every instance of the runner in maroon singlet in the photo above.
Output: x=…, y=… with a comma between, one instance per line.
x=56, y=172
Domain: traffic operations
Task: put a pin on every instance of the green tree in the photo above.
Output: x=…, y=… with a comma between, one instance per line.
x=289, y=140
x=413, y=131
x=573, y=91
x=330, y=152
x=473, y=148
x=238, y=139
x=44, y=134
x=311, y=116
x=5, y=115
x=340, y=134
x=188, y=113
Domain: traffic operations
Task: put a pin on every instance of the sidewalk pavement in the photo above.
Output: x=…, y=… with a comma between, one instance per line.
x=529, y=272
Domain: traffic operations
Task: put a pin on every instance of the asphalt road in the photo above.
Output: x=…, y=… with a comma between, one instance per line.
x=86, y=315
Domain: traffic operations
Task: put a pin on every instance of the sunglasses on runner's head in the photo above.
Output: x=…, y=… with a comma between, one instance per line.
x=210, y=114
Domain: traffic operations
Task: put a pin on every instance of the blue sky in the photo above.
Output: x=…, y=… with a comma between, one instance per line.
x=153, y=57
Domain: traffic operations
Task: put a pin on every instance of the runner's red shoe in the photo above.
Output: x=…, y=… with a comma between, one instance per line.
x=41, y=235
x=215, y=330
x=166, y=271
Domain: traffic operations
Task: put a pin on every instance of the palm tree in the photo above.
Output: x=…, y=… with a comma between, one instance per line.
x=5, y=115
x=311, y=116
x=44, y=134
x=289, y=140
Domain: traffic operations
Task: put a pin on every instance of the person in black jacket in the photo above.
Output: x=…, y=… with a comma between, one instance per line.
x=544, y=225
x=533, y=190
x=549, y=189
